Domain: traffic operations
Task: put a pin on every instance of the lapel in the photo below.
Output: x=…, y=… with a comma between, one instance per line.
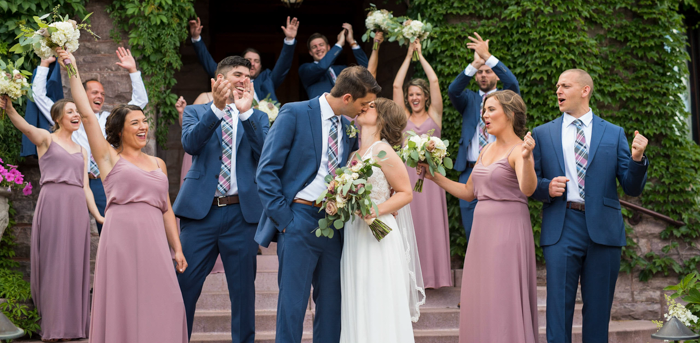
x=257, y=86
x=239, y=133
x=206, y=108
x=597, y=133
x=314, y=114
x=346, y=141
x=555, y=133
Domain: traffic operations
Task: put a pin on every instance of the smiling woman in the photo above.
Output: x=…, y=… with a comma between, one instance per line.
x=117, y=123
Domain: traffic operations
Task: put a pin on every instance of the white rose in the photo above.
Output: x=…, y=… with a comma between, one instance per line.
x=417, y=26
x=72, y=46
x=340, y=201
x=356, y=168
x=355, y=176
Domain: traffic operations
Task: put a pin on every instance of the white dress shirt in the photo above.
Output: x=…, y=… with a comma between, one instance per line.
x=255, y=95
x=236, y=115
x=139, y=97
x=568, y=141
x=473, y=149
x=316, y=187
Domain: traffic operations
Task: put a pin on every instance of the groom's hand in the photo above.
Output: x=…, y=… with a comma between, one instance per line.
x=557, y=186
x=220, y=90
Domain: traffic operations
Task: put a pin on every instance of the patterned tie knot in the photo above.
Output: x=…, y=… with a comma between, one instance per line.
x=578, y=123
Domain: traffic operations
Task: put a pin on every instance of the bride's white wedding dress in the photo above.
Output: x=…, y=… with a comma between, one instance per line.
x=381, y=284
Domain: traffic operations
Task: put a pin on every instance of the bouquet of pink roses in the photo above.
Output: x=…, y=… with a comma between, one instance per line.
x=348, y=194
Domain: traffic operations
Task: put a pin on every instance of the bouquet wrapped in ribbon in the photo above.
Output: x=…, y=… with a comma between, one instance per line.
x=379, y=20
x=13, y=83
x=412, y=30
x=348, y=195
x=269, y=106
x=61, y=32
x=425, y=148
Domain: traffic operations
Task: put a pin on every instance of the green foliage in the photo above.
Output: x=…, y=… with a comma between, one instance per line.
x=688, y=290
x=636, y=53
x=14, y=13
x=156, y=28
x=13, y=287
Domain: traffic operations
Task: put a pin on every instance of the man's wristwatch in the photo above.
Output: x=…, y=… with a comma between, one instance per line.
x=354, y=44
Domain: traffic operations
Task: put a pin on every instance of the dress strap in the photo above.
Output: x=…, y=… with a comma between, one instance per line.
x=511, y=149
x=371, y=147
x=157, y=164
x=481, y=154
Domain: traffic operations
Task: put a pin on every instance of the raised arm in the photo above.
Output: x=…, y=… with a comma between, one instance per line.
x=101, y=151
x=139, y=96
x=456, y=91
x=400, y=78
x=310, y=73
x=632, y=168
x=436, y=105
x=41, y=99
x=360, y=55
x=200, y=49
x=374, y=57
x=284, y=62
x=89, y=196
x=39, y=137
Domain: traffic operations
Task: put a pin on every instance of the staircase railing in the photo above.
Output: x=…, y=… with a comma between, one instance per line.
x=636, y=218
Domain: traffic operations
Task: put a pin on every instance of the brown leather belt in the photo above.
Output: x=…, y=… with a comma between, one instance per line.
x=223, y=201
x=471, y=164
x=576, y=206
x=306, y=202
x=92, y=177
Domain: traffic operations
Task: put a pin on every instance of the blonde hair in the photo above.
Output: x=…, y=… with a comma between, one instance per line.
x=423, y=85
x=57, y=111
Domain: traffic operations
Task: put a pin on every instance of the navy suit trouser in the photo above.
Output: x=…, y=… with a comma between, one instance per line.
x=306, y=260
x=98, y=191
x=575, y=256
x=222, y=232
x=467, y=207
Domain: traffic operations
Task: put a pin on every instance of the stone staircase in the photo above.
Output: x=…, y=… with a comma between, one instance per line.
x=439, y=320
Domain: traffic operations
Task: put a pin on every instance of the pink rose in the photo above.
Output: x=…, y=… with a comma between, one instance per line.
x=331, y=187
x=331, y=208
x=430, y=147
x=27, y=189
x=354, y=163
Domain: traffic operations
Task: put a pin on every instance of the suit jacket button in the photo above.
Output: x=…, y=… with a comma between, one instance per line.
x=216, y=177
x=219, y=158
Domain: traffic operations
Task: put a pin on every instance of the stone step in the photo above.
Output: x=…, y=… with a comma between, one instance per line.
x=436, y=336
x=264, y=281
x=213, y=301
x=220, y=321
x=268, y=263
x=621, y=331
x=260, y=337
x=542, y=315
x=270, y=250
x=437, y=319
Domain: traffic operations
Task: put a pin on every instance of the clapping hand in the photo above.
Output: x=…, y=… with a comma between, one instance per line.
x=180, y=105
x=350, y=38
x=528, y=145
x=221, y=91
x=478, y=61
x=479, y=46
x=181, y=262
x=196, y=28
x=639, y=144
x=126, y=61
x=244, y=99
x=341, y=38
x=290, y=31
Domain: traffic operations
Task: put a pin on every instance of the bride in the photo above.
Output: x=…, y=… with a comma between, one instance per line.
x=381, y=283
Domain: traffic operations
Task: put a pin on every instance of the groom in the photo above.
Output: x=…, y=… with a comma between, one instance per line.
x=578, y=158
x=308, y=142
x=219, y=214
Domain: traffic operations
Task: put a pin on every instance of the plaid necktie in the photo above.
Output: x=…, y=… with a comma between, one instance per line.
x=227, y=152
x=332, y=73
x=581, y=152
x=333, y=146
x=93, y=170
x=483, y=136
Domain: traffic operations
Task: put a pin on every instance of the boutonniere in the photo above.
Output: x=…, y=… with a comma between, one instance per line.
x=351, y=130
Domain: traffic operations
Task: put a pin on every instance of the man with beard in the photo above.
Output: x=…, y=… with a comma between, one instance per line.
x=488, y=70
x=319, y=77
x=264, y=81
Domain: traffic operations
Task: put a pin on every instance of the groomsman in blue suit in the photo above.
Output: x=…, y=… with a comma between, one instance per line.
x=578, y=157
x=488, y=70
x=264, y=81
x=218, y=203
x=320, y=76
x=308, y=141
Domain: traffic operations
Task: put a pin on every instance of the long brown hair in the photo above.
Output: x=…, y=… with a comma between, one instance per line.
x=515, y=109
x=391, y=120
x=57, y=111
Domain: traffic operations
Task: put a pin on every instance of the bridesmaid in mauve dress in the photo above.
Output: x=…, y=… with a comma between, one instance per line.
x=60, y=241
x=499, y=299
x=422, y=102
x=136, y=296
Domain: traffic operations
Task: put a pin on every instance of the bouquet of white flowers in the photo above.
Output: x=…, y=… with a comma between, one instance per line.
x=379, y=20
x=348, y=195
x=269, y=106
x=13, y=82
x=62, y=33
x=412, y=30
x=425, y=148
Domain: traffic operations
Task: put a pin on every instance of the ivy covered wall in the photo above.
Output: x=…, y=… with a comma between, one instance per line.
x=636, y=52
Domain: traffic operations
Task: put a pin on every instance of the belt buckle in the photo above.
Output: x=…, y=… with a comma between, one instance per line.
x=218, y=202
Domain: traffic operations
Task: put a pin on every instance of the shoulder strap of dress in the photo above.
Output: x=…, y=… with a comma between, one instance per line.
x=481, y=154
x=511, y=149
x=157, y=164
x=370, y=149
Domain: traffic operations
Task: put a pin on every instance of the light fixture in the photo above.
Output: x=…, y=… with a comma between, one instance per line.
x=292, y=3
x=674, y=330
x=8, y=330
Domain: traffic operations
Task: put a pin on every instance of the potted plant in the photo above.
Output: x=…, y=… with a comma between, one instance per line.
x=11, y=180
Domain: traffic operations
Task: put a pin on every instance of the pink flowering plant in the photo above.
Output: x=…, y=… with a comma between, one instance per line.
x=11, y=177
x=347, y=195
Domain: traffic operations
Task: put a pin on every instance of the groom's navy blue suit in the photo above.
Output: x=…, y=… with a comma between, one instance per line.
x=585, y=244
x=208, y=230
x=290, y=161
